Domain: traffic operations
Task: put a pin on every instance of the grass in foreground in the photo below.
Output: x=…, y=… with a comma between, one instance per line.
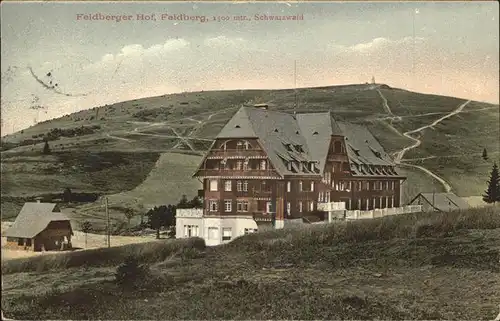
x=149, y=252
x=416, y=266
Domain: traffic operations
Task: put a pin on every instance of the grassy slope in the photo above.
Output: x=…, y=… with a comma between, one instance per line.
x=24, y=174
x=424, y=266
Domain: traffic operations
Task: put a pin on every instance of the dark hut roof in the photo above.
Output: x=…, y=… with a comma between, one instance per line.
x=34, y=218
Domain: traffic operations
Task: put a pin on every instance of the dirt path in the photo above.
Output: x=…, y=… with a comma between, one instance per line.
x=446, y=186
x=386, y=106
x=417, y=143
x=444, y=156
x=399, y=155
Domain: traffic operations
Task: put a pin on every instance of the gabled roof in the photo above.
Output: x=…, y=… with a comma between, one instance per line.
x=281, y=133
x=274, y=130
x=362, y=147
x=317, y=129
x=443, y=201
x=34, y=218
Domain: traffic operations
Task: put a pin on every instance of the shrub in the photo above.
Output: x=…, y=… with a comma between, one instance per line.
x=131, y=273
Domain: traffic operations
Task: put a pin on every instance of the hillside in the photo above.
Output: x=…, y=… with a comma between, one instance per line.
x=435, y=266
x=115, y=149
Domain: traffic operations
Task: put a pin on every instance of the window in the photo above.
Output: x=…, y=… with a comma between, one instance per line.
x=227, y=206
x=245, y=164
x=327, y=196
x=337, y=147
x=263, y=164
x=312, y=186
x=239, y=165
x=384, y=185
x=213, y=233
x=239, y=145
x=333, y=185
x=312, y=167
x=289, y=165
x=227, y=234
x=212, y=206
x=245, y=186
x=28, y=242
x=320, y=197
x=328, y=177
x=341, y=185
x=333, y=168
x=20, y=241
x=392, y=185
x=191, y=230
x=300, y=186
x=247, y=145
x=288, y=186
x=242, y=206
x=288, y=208
x=227, y=186
x=239, y=186
x=213, y=185
x=300, y=206
x=359, y=186
x=269, y=207
x=367, y=184
x=311, y=206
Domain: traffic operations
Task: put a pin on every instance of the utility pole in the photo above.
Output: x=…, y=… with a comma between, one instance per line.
x=295, y=85
x=107, y=216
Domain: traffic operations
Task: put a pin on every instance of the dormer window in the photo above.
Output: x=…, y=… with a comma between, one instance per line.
x=315, y=133
x=263, y=164
x=276, y=130
x=312, y=167
x=237, y=126
x=289, y=166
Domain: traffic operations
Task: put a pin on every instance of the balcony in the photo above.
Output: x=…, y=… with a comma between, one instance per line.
x=237, y=173
x=331, y=206
x=237, y=153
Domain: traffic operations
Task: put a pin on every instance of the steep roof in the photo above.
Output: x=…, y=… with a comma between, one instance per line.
x=275, y=130
x=317, y=129
x=444, y=201
x=34, y=218
x=280, y=133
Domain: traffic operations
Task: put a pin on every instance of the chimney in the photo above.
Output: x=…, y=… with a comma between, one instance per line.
x=261, y=106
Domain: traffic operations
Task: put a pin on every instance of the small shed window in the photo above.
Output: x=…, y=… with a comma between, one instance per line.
x=20, y=241
x=28, y=242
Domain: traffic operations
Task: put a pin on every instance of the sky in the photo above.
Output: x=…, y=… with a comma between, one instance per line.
x=445, y=48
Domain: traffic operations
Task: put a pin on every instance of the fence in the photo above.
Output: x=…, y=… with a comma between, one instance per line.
x=358, y=215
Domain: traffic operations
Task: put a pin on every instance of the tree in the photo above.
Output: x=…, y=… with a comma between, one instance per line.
x=183, y=203
x=154, y=220
x=492, y=194
x=67, y=195
x=485, y=154
x=129, y=213
x=46, y=148
x=86, y=226
x=196, y=202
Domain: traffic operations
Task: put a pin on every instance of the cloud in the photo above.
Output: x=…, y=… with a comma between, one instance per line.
x=380, y=43
x=223, y=41
x=137, y=50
